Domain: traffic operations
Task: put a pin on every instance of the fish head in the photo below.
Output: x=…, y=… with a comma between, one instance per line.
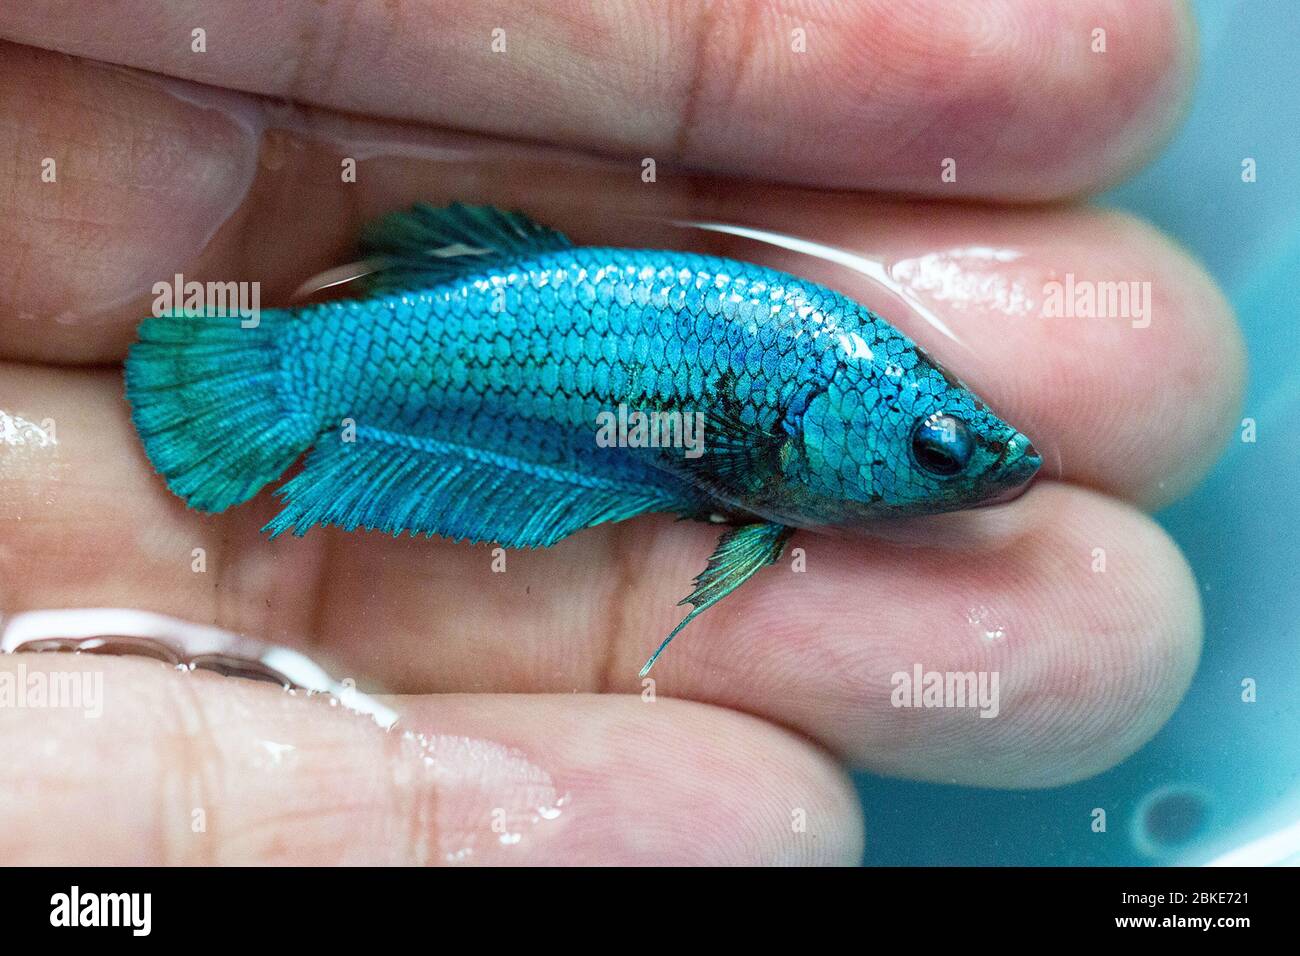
x=904, y=437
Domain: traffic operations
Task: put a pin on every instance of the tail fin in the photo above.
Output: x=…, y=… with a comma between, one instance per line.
x=208, y=398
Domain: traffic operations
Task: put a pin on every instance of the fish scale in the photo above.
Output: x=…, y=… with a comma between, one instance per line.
x=470, y=387
x=444, y=354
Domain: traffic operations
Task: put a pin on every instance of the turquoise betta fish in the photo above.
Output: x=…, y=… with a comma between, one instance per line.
x=504, y=385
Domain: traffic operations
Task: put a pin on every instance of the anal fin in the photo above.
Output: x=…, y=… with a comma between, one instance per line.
x=395, y=483
x=741, y=552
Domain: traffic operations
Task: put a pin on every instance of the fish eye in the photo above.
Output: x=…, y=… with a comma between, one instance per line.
x=941, y=445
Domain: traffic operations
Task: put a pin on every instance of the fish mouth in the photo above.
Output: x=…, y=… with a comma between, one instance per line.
x=1011, y=473
x=1019, y=461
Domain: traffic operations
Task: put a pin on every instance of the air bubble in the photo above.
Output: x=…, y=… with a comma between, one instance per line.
x=1170, y=819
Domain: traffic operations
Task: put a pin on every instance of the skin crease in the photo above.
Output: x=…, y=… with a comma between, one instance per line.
x=1091, y=664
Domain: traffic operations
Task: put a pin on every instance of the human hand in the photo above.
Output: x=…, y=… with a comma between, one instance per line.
x=519, y=689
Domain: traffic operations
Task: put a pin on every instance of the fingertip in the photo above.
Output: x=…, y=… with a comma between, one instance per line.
x=1198, y=371
x=161, y=766
x=1096, y=634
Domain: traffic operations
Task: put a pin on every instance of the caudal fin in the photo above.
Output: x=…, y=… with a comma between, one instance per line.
x=209, y=401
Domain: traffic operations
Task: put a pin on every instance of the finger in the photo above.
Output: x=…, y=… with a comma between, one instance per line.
x=1025, y=95
x=1081, y=605
x=1136, y=400
x=184, y=769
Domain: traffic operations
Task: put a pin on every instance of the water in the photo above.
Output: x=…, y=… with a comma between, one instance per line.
x=1223, y=775
x=183, y=644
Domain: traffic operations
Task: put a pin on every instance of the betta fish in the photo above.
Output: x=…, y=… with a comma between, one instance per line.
x=504, y=385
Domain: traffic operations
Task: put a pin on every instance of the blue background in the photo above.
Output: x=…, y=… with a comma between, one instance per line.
x=1235, y=765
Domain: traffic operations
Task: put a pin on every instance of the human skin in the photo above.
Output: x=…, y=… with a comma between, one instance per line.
x=739, y=756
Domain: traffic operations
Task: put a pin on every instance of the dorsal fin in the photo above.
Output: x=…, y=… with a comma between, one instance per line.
x=426, y=243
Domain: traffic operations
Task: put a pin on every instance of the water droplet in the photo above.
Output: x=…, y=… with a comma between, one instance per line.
x=986, y=625
x=16, y=431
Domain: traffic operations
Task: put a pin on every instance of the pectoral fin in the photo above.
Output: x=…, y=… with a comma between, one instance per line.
x=741, y=551
x=737, y=460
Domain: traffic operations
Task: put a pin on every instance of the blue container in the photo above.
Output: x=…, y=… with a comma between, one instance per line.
x=1221, y=782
